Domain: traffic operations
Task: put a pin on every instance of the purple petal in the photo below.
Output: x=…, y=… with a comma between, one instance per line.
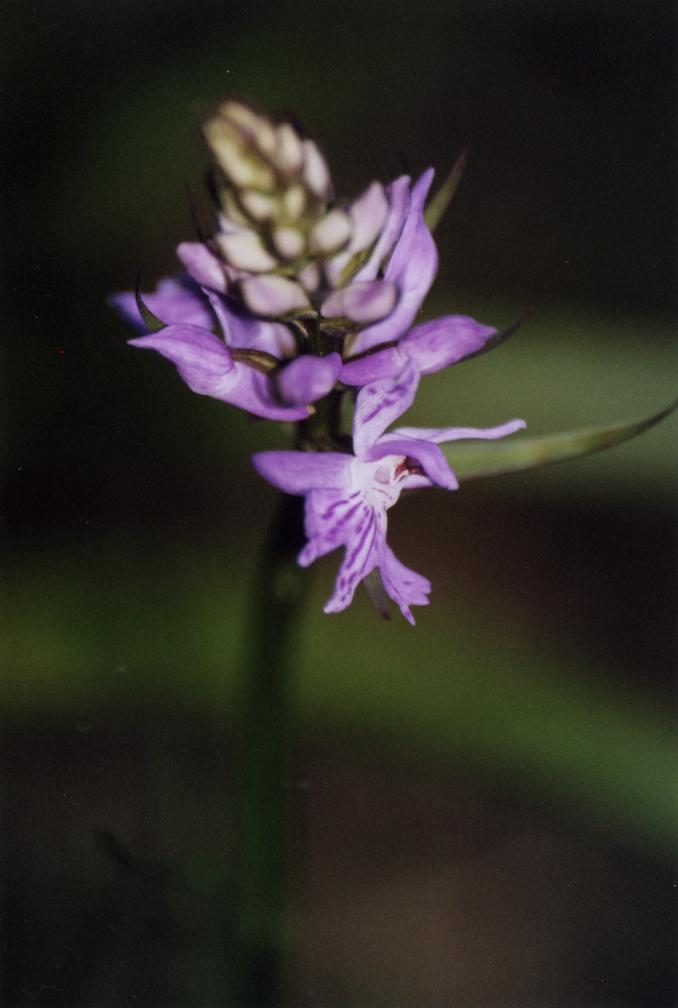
x=411, y=236
x=382, y=364
x=308, y=378
x=255, y=393
x=379, y=404
x=436, y=344
x=426, y=453
x=330, y=517
x=399, y=202
x=203, y=265
x=300, y=472
x=336, y=518
x=248, y=332
x=368, y=215
x=440, y=434
x=362, y=302
x=404, y=586
x=172, y=301
x=205, y=364
x=273, y=337
x=412, y=267
x=201, y=358
x=361, y=557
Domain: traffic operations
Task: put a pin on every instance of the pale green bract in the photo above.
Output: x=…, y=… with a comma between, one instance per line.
x=473, y=461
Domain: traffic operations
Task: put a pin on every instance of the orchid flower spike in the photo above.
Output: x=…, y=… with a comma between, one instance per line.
x=287, y=249
x=295, y=298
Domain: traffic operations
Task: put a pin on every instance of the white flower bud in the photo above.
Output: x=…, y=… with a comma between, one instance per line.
x=289, y=242
x=272, y=296
x=241, y=166
x=240, y=115
x=245, y=251
x=363, y=302
x=294, y=202
x=232, y=212
x=309, y=277
x=335, y=267
x=260, y=206
x=315, y=172
x=257, y=129
x=368, y=214
x=330, y=233
x=289, y=152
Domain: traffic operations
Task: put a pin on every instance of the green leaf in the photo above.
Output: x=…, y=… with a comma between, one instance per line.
x=442, y=199
x=477, y=459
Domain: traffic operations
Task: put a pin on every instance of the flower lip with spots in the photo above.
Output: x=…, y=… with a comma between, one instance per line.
x=348, y=495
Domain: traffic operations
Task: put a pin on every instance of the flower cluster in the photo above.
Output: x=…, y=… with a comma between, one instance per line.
x=298, y=300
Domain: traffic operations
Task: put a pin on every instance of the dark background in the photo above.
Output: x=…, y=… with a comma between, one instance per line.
x=484, y=804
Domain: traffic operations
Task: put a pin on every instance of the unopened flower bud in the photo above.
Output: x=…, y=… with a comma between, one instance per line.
x=368, y=214
x=256, y=127
x=272, y=296
x=260, y=206
x=244, y=250
x=294, y=202
x=289, y=151
x=241, y=165
x=308, y=378
x=288, y=242
x=284, y=246
x=330, y=233
x=310, y=277
x=362, y=302
x=316, y=174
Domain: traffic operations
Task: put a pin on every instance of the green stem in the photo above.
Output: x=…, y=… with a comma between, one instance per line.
x=268, y=718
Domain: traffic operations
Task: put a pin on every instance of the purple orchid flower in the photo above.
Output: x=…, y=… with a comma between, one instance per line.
x=208, y=367
x=211, y=366
x=429, y=348
x=348, y=495
x=176, y=300
x=182, y=300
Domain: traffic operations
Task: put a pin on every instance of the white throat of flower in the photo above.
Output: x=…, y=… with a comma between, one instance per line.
x=380, y=482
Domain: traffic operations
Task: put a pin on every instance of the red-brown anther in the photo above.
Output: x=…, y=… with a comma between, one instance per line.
x=408, y=467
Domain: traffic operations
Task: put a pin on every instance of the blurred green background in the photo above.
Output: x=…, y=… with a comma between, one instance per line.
x=484, y=805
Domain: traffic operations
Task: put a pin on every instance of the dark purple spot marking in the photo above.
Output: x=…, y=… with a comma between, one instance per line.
x=386, y=401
